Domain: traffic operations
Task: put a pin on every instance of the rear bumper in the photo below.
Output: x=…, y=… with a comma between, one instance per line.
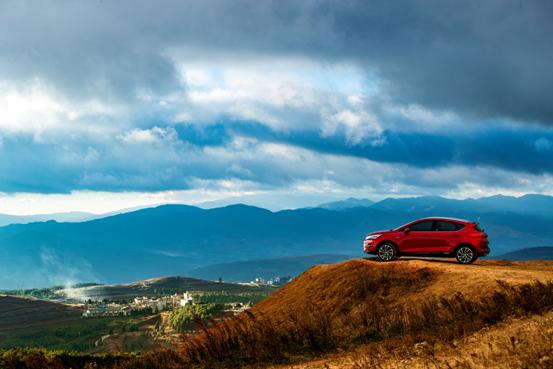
x=483, y=248
x=484, y=253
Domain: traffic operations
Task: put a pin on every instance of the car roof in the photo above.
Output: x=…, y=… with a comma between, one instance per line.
x=446, y=219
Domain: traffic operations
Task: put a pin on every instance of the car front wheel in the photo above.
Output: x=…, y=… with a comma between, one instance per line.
x=465, y=255
x=386, y=252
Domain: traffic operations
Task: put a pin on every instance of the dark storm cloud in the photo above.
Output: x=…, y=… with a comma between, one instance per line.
x=168, y=160
x=489, y=59
x=172, y=161
x=516, y=150
x=484, y=61
x=91, y=49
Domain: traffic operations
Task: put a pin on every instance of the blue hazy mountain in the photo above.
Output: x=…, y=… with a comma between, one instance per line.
x=527, y=204
x=175, y=239
x=244, y=271
x=530, y=253
x=346, y=204
x=75, y=216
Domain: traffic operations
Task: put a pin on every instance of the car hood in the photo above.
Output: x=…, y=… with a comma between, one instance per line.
x=378, y=232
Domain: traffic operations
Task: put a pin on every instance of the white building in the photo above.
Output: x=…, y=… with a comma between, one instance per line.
x=186, y=299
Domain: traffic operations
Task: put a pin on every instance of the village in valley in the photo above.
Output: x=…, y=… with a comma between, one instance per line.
x=149, y=305
x=137, y=316
x=166, y=303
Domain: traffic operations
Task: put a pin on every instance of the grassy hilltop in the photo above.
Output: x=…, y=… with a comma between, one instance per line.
x=361, y=314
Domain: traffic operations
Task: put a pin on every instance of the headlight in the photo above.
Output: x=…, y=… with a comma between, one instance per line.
x=372, y=237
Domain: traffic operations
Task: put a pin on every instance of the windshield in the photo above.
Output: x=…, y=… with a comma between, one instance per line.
x=477, y=227
x=403, y=226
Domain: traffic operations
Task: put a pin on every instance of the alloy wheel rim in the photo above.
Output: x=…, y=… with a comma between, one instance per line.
x=465, y=255
x=386, y=252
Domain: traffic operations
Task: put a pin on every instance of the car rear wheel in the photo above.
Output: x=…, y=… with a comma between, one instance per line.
x=466, y=255
x=386, y=252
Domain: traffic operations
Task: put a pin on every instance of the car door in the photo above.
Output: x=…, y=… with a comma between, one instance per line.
x=443, y=237
x=416, y=240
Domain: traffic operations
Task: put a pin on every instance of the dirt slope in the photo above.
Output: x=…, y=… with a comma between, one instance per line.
x=22, y=313
x=512, y=342
x=405, y=281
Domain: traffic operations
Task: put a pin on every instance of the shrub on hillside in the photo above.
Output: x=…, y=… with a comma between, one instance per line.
x=184, y=318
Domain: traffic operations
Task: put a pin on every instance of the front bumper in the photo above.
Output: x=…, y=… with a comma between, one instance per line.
x=369, y=247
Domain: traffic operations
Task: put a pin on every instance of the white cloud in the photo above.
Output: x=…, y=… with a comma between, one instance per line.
x=39, y=111
x=148, y=136
x=358, y=126
x=284, y=94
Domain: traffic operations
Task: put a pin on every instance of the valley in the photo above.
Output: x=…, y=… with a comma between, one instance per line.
x=114, y=318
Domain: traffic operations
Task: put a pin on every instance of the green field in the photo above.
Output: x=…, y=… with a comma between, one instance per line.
x=55, y=328
x=79, y=335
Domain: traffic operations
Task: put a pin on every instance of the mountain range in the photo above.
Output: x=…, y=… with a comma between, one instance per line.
x=530, y=253
x=346, y=204
x=176, y=239
x=76, y=216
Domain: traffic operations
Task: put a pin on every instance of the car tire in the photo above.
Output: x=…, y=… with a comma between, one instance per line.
x=386, y=252
x=466, y=254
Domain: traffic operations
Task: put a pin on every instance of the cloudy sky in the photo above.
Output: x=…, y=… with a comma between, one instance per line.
x=114, y=104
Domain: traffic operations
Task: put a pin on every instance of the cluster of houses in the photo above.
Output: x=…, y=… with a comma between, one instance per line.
x=275, y=281
x=237, y=308
x=156, y=305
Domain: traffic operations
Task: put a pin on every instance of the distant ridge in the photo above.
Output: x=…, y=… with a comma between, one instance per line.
x=76, y=216
x=154, y=287
x=72, y=216
x=527, y=204
x=531, y=253
x=346, y=204
x=244, y=271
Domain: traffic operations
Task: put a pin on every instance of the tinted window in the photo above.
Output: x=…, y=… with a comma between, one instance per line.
x=425, y=226
x=478, y=228
x=446, y=226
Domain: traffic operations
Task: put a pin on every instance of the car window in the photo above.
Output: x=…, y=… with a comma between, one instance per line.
x=459, y=226
x=424, y=226
x=443, y=226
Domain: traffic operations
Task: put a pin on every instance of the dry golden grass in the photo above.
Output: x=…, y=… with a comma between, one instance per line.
x=513, y=344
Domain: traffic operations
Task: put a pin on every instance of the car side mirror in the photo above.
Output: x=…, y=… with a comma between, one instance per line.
x=406, y=230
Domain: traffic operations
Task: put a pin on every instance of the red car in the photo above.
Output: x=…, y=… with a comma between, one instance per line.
x=445, y=237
